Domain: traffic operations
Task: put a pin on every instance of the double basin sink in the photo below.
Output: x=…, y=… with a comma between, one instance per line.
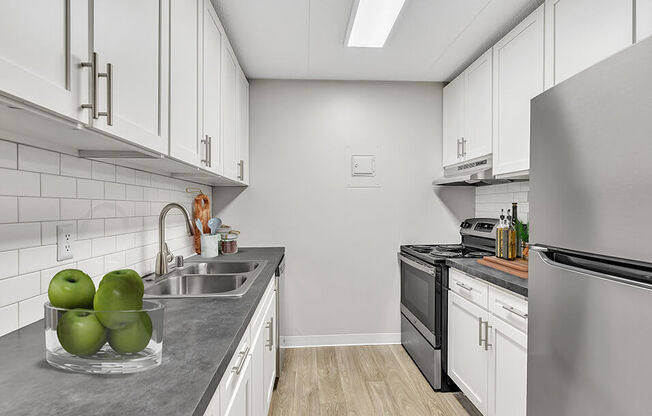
x=204, y=279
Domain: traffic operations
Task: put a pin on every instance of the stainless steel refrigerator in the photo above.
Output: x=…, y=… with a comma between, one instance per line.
x=590, y=286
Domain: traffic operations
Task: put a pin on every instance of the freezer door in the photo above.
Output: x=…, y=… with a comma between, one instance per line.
x=590, y=342
x=591, y=159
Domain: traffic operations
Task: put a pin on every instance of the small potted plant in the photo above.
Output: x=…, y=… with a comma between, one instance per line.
x=523, y=233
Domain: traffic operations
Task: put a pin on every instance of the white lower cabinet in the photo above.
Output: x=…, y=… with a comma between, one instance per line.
x=247, y=386
x=487, y=356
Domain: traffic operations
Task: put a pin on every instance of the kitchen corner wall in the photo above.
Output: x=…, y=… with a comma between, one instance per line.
x=342, y=281
x=113, y=211
x=489, y=200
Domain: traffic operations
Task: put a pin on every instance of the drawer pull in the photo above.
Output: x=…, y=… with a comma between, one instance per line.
x=463, y=286
x=515, y=311
x=238, y=367
x=270, y=328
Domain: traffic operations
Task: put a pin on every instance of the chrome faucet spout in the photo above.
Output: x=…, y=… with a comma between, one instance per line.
x=164, y=257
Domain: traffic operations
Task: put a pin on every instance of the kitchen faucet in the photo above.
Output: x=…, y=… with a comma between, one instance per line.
x=164, y=257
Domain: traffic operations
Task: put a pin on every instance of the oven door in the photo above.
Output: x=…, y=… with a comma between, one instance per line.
x=420, y=291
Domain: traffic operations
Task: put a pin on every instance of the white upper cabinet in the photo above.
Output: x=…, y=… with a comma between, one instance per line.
x=453, y=121
x=229, y=122
x=507, y=370
x=580, y=33
x=477, y=107
x=518, y=77
x=185, y=76
x=132, y=37
x=212, y=69
x=242, y=116
x=43, y=43
x=643, y=19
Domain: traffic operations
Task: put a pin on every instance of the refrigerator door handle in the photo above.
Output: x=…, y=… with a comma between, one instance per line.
x=539, y=249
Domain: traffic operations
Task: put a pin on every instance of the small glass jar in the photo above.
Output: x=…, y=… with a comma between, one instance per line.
x=77, y=339
x=229, y=244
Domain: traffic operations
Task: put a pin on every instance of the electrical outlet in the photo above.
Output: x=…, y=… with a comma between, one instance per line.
x=64, y=242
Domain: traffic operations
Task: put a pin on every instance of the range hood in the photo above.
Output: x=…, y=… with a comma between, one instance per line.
x=475, y=172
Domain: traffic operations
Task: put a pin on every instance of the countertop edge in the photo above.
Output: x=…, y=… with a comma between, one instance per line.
x=504, y=280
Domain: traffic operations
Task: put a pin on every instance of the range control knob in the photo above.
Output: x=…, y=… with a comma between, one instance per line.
x=465, y=224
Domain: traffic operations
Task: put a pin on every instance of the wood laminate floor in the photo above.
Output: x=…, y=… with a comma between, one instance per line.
x=360, y=380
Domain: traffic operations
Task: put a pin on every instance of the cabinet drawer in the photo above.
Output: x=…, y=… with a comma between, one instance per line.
x=510, y=307
x=468, y=287
x=234, y=370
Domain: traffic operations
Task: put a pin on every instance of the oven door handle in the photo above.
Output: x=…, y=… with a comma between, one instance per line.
x=418, y=266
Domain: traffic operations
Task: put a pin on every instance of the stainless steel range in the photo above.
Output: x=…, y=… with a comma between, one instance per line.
x=424, y=296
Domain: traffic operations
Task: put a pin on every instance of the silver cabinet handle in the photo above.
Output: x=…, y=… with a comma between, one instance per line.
x=515, y=311
x=480, y=331
x=463, y=286
x=270, y=328
x=93, y=66
x=241, y=170
x=109, y=94
x=486, y=335
x=205, y=160
x=210, y=151
x=458, y=148
x=238, y=367
x=463, y=147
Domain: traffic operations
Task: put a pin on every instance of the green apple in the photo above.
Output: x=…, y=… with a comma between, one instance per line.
x=117, y=294
x=80, y=332
x=71, y=289
x=129, y=275
x=133, y=337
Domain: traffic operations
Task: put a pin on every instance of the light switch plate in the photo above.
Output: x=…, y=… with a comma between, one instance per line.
x=64, y=242
x=363, y=165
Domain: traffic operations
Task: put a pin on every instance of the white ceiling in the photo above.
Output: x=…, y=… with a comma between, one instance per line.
x=432, y=40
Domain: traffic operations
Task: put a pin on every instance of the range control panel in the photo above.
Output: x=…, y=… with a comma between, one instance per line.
x=481, y=227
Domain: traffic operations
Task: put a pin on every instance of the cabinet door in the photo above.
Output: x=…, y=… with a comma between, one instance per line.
x=518, y=77
x=133, y=37
x=185, y=20
x=477, y=107
x=580, y=33
x=507, y=370
x=212, y=68
x=257, y=370
x=643, y=19
x=240, y=402
x=269, y=324
x=453, y=120
x=229, y=130
x=467, y=358
x=242, y=97
x=43, y=44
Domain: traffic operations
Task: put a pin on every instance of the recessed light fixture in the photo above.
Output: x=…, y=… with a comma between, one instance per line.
x=373, y=22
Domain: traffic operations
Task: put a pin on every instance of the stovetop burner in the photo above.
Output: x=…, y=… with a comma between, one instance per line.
x=440, y=252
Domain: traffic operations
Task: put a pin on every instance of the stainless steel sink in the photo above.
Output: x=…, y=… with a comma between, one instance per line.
x=204, y=279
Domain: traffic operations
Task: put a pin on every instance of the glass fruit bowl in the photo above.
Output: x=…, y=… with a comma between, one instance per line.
x=104, y=342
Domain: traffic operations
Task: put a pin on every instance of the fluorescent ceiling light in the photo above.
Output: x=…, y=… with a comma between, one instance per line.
x=373, y=22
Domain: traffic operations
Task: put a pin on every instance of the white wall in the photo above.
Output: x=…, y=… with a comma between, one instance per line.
x=489, y=200
x=113, y=210
x=342, y=281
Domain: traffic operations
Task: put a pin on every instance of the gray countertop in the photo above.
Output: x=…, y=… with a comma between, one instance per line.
x=200, y=337
x=502, y=279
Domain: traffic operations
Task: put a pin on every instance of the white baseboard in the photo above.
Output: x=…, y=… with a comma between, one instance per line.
x=340, y=340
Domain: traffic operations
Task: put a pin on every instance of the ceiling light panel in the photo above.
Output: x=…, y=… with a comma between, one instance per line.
x=373, y=22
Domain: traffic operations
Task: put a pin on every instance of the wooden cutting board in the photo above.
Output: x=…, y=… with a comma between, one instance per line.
x=202, y=210
x=517, y=267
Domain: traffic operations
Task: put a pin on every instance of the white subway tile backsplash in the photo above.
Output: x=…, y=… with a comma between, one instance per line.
x=8, y=155
x=75, y=209
x=489, y=200
x=90, y=229
x=75, y=166
x=8, y=209
x=38, y=209
x=102, y=171
x=113, y=211
x=13, y=236
x=31, y=310
x=20, y=183
x=125, y=175
x=114, y=191
x=58, y=186
x=37, y=160
x=90, y=189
